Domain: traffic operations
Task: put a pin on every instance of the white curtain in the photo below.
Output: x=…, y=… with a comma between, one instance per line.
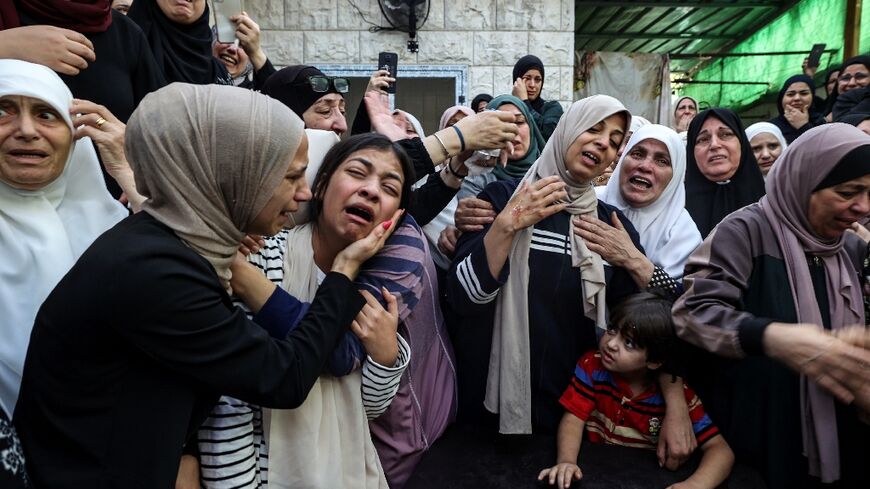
x=641, y=81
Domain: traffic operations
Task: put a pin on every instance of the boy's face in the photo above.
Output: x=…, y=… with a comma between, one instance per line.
x=620, y=354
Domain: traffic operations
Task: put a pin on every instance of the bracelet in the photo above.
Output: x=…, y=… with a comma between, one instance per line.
x=443, y=147
x=451, y=171
x=461, y=139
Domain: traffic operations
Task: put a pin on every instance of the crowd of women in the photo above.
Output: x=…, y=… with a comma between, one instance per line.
x=212, y=279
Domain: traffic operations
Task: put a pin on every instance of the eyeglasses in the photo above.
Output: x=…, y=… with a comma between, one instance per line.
x=320, y=84
x=848, y=77
x=723, y=135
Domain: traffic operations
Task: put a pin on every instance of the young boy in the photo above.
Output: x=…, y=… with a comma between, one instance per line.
x=615, y=397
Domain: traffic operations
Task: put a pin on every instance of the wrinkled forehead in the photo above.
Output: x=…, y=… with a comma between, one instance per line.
x=35, y=81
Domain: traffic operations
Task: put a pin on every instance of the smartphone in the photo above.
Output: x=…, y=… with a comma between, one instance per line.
x=390, y=62
x=815, y=55
x=222, y=11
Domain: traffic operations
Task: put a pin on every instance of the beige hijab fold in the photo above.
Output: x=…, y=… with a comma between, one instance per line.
x=508, y=386
x=208, y=158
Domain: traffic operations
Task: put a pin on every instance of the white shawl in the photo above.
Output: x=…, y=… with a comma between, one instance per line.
x=325, y=443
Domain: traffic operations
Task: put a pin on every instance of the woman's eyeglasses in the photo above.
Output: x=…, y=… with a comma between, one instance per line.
x=858, y=77
x=320, y=84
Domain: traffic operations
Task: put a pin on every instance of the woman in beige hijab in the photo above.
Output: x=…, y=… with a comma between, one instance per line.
x=136, y=343
x=534, y=267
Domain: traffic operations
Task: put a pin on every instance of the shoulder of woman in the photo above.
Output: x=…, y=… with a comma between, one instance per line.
x=747, y=230
x=552, y=106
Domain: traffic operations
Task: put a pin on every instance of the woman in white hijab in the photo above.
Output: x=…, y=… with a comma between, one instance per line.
x=53, y=204
x=767, y=143
x=647, y=187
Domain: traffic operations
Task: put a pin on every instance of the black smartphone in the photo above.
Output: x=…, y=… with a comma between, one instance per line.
x=815, y=55
x=390, y=62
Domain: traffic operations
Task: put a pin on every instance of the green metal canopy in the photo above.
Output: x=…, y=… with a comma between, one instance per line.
x=690, y=31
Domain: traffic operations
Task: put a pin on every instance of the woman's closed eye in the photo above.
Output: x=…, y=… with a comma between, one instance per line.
x=391, y=189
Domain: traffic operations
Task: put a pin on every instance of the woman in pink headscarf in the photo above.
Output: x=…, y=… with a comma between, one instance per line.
x=774, y=293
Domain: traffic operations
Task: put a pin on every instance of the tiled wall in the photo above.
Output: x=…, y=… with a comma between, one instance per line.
x=488, y=36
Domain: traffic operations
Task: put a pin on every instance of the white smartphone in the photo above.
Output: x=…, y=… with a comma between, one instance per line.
x=222, y=10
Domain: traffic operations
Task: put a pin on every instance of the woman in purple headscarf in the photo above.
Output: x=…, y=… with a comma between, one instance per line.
x=774, y=293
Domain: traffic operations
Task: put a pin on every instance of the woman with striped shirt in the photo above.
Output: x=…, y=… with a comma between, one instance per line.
x=362, y=181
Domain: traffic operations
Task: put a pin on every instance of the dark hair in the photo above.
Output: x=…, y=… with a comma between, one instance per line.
x=342, y=151
x=646, y=318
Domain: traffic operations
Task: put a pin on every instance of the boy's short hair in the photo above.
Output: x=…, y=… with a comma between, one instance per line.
x=646, y=318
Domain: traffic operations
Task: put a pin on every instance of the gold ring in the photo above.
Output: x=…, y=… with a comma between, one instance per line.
x=100, y=122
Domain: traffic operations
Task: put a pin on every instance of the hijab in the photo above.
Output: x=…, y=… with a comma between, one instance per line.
x=800, y=169
x=523, y=65
x=482, y=97
x=452, y=111
x=678, y=104
x=791, y=81
x=637, y=122
x=319, y=143
x=765, y=127
x=86, y=16
x=854, y=118
x=43, y=232
x=667, y=233
x=290, y=86
x=208, y=158
x=709, y=202
x=183, y=52
x=517, y=168
x=415, y=123
x=508, y=390
x=835, y=93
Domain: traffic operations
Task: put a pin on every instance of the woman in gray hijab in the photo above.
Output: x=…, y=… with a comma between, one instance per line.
x=135, y=344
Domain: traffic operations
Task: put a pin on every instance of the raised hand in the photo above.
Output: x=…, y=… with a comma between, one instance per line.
x=64, y=51
x=248, y=34
x=532, y=204
x=519, y=89
x=376, y=328
x=379, y=81
x=351, y=258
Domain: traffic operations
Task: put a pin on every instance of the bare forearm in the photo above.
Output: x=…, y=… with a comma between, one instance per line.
x=252, y=287
x=715, y=464
x=497, y=242
x=641, y=270
x=127, y=183
x=569, y=438
x=672, y=391
x=451, y=142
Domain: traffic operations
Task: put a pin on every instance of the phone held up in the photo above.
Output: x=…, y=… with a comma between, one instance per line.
x=815, y=55
x=224, y=27
x=390, y=62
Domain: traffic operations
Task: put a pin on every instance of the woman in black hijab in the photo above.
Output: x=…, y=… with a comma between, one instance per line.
x=478, y=104
x=796, y=104
x=851, y=93
x=721, y=173
x=181, y=40
x=528, y=76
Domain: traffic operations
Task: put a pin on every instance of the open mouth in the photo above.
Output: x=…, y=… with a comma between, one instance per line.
x=360, y=212
x=230, y=60
x=34, y=154
x=593, y=157
x=640, y=182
